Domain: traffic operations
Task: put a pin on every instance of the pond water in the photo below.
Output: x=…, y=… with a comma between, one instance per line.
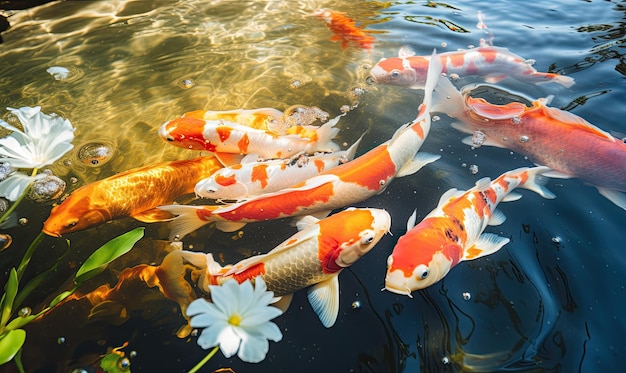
x=550, y=300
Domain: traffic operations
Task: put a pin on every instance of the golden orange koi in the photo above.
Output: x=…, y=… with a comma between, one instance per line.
x=345, y=29
x=453, y=231
x=133, y=193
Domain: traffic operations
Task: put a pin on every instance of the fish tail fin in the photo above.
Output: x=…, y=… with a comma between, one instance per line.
x=351, y=151
x=326, y=133
x=447, y=99
x=565, y=81
x=535, y=181
x=187, y=219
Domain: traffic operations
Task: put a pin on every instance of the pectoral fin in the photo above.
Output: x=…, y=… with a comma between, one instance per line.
x=420, y=160
x=154, y=215
x=487, y=243
x=614, y=196
x=229, y=159
x=324, y=298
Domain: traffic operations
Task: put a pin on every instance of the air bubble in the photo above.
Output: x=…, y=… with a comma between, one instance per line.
x=467, y=296
x=524, y=138
x=61, y=340
x=186, y=83
x=5, y=241
x=5, y=170
x=478, y=139
x=24, y=312
x=356, y=305
x=295, y=84
x=473, y=169
x=95, y=154
x=46, y=188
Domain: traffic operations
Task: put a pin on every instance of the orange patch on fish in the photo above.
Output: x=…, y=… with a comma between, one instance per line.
x=472, y=252
x=319, y=164
x=243, y=144
x=199, y=114
x=250, y=273
x=259, y=173
x=225, y=180
x=224, y=132
x=376, y=162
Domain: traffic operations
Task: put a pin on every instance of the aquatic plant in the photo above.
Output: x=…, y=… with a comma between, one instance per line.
x=12, y=336
x=236, y=321
x=43, y=140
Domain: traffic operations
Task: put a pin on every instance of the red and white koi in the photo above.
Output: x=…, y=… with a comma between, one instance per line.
x=565, y=142
x=344, y=185
x=345, y=29
x=192, y=131
x=252, y=178
x=453, y=231
x=311, y=258
x=493, y=63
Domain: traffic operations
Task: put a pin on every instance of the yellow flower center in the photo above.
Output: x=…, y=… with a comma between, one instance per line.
x=234, y=320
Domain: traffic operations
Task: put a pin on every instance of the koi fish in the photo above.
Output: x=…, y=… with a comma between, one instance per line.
x=124, y=194
x=311, y=258
x=266, y=119
x=349, y=183
x=221, y=137
x=453, y=231
x=249, y=179
x=492, y=63
x=345, y=29
x=565, y=142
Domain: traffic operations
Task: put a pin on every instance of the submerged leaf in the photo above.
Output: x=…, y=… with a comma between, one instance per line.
x=107, y=253
x=10, y=344
x=10, y=291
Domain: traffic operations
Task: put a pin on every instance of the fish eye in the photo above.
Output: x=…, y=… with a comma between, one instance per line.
x=422, y=272
x=395, y=73
x=169, y=138
x=367, y=237
x=71, y=223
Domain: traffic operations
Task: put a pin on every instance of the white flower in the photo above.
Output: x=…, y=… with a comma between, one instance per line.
x=238, y=319
x=45, y=139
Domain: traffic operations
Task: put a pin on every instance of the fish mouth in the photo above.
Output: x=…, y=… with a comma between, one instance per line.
x=406, y=291
x=49, y=233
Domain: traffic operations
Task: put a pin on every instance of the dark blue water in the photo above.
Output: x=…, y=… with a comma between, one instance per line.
x=551, y=300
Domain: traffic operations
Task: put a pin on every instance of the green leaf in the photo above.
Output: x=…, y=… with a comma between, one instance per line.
x=18, y=322
x=110, y=251
x=10, y=344
x=62, y=296
x=10, y=291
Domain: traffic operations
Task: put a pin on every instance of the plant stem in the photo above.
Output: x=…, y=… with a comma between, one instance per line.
x=29, y=254
x=19, y=199
x=204, y=361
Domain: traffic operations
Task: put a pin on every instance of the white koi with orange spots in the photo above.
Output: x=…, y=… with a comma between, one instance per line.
x=192, y=131
x=249, y=179
x=453, y=231
x=344, y=185
x=492, y=63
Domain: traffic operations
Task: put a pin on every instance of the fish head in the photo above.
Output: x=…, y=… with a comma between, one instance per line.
x=421, y=258
x=186, y=132
x=221, y=186
x=394, y=71
x=74, y=214
x=348, y=235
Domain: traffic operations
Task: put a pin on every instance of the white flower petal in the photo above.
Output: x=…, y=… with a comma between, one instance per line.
x=269, y=331
x=229, y=341
x=210, y=336
x=260, y=316
x=253, y=349
x=14, y=186
x=226, y=297
x=198, y=306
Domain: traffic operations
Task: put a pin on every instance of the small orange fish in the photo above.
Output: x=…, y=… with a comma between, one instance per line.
x=133, y=193
x=345, y=29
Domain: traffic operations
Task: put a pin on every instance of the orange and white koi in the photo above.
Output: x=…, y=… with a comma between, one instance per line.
x=192, y=131
x=453, y=231
x=267, y=119
x=124, y=194
x=249, y=179
x=493, y=63
x=345, y=29
x=344, y=185
x=565, y=142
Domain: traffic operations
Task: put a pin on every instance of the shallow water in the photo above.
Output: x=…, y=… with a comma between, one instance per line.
x=550, y=300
